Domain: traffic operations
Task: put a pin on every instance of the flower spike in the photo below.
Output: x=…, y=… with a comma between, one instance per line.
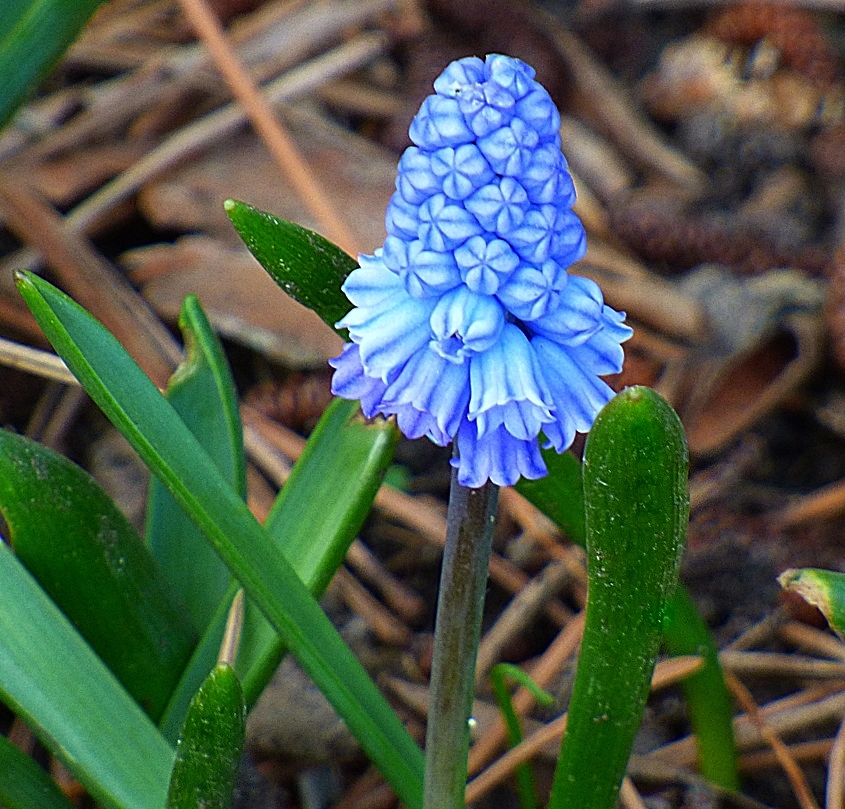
x=467, y=326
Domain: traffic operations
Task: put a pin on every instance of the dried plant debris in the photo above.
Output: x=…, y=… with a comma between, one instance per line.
x=674, y=236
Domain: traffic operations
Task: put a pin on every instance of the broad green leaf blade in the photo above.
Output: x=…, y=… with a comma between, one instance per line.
x=33, y=39
x=11, y=12
x=24, y=785
x=53, y=680
x=304, y=264
x=146, y=419
x=821, y=588
x=203, y=393
x=559, y=495
x=210, y=745
x=92, y=563
x=636, y=507
x=316, y=516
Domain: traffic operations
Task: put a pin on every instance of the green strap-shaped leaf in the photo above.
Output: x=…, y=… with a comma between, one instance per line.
x=315, y=518
x=24, y=785
x=821, y=588
x=560, y=496
x=524, y=774
x=707, y=697
x=11, y=12
x=203, y=393
x=133, y=404
x=50, y=677
x=210, y=745
x=32, y=38
x=317, y=515
x=635, y=495
x=93, y=564
x=304, y=264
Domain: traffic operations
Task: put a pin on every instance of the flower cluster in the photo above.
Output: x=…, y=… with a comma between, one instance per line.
x=466, y=324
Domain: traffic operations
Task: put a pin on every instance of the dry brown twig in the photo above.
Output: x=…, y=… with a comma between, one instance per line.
x=793, y=772
x=800, y=711
x=205, y=131
x=279, y=143
x=835, y=797
x=800, y=751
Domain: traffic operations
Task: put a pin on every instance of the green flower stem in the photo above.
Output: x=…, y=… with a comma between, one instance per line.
x=462, y=584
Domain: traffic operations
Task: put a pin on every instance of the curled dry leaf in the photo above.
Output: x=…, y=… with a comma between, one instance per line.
x=242, y=301
x=765, y=341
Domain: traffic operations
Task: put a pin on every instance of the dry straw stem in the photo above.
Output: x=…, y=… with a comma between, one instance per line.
x=667, y=672
x=91, y=280
x=629, y=796
x=835, y=797
x=800, y=751
x=790, y=767
x=775, y=664
x=759, y=633
x=823, y=504
x=281, y=146
x=385, y=626
x=271, y=40
x=206, y=131
x=35, y=361
x=798, y=712
x=368, y=567
x=232, y=633
x=813, y=640
x=634, y=134
x=519, y=615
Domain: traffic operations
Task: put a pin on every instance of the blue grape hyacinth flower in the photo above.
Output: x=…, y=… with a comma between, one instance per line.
x=466, y=325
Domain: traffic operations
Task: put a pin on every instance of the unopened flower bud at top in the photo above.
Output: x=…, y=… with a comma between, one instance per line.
x=466, y=325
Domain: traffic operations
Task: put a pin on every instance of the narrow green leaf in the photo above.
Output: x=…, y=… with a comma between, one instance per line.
x=25, y=785
x=636, y=506
x=203, y=393
x=508, y=670
x=146, y=419
x=93, y=564
x=50, y=677
x=317, y=515
x=708, y=701
x=304, y=264
x=33, y=39
x=820, y=588
x=524, y=774
x=559, y=495
x=210, y=745
x=315, y=518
